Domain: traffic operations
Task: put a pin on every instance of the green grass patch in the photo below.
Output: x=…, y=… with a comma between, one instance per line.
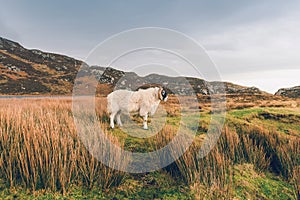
x=252, y=185
x=286, y=121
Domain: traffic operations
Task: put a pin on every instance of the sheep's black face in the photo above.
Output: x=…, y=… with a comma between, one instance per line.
x=164, y=95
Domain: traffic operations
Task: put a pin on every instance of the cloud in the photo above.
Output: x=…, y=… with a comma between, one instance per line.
x=7, y=31
x=242, y=37
x=263, y=45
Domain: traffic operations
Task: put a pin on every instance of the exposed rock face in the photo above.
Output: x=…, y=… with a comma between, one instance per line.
x=24, y=71
x=177, y=85
x=293, y=92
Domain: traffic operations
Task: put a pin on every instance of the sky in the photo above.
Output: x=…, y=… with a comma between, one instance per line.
x=252, y=43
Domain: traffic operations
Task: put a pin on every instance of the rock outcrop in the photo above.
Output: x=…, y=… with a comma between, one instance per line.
x=293, y=92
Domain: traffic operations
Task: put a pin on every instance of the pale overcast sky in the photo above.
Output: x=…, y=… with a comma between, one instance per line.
x=253, y=43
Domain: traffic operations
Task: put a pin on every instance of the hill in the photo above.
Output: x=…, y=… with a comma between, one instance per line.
x=33, y=72
x=26, y=71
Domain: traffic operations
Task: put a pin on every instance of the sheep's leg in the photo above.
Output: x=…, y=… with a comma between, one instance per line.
x=112, y=118
x=145, y=126
x=118, y=117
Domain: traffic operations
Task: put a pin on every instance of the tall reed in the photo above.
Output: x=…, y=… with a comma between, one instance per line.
x=39, y=148
x=264, y=149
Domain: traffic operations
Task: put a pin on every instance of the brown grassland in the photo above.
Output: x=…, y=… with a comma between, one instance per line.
x=40, y=149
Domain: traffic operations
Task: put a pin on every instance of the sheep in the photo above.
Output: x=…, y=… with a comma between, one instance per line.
x=144, y=101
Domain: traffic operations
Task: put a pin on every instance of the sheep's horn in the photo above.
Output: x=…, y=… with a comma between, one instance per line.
x=159, y=93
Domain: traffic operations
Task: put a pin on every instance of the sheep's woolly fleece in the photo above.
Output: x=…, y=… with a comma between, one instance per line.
x=144, y=101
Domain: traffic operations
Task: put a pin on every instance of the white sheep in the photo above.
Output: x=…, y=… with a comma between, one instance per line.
x=143, y=101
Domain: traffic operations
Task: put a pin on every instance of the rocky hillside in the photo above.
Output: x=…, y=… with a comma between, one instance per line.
x=293, y=92
x=26, y=71
x=180, y=85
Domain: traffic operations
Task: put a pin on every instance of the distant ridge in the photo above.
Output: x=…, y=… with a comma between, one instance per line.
x=33, y=72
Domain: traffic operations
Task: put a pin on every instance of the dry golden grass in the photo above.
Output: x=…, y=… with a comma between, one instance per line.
x=248, y=101
x=39, y=147
x=264, y=149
